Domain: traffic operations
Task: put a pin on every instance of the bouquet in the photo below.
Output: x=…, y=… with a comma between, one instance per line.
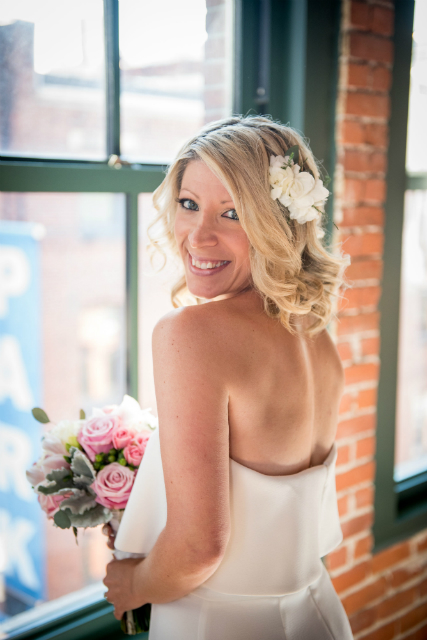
x=86, y=471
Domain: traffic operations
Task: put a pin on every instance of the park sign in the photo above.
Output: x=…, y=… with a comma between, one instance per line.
x=22, y=544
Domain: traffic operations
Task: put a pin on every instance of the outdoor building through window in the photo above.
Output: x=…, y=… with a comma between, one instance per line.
x=70, y=334
x=411, y=422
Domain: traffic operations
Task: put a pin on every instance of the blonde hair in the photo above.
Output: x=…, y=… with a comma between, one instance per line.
x=291, y=269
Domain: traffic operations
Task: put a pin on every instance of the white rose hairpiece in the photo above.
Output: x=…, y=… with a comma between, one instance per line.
x=297, y=190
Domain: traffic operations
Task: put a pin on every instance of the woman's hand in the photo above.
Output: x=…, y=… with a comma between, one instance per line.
x=121, y=581
x=107, y=530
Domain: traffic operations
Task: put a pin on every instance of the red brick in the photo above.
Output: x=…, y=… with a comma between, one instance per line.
x=344, y=349
x=375, y=190
x=346, y=403
x=352, y=132
x=404, y=574
x=360, y=15
x=382, y=21
x=364, y=161
x=419, y=634
x=342, y=506
x=356, y=574
x=363, y=244
x=354, y=324
x=362, y=473
x=387, y=558
x=365, y=447
x=387, y=632
x=414, y=617
x=367, y=397
x=422, y=545
x=364, y=497
x=357, y=525
x=355, y=190
x=362, y=619
x=376, y=134
x=358, y=297
x=358, y=75
x=343, y=454
x=367, y=104
x=397, y=601
x=359, y=216
x=356, y=425
x=378, y=162
x=381, y=79
x=364, y=270
x=370, y=346
x=422, y=588
x=371, y=47
x=364, y=545
x=337, y=558
x=364, y=596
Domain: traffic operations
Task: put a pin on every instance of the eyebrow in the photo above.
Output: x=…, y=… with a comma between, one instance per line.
x=196, y=196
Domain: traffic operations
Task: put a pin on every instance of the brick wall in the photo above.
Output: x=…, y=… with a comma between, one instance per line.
x=384, y=595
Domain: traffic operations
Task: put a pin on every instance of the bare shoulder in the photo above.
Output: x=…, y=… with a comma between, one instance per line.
x=329, y=354
x=193, y=332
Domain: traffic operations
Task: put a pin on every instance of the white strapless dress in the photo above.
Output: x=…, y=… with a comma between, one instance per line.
x=271, y=583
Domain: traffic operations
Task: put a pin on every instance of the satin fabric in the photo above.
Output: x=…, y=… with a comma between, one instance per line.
x=271, y=583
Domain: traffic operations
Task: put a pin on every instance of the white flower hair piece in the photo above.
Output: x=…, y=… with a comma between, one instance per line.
x=297, y=190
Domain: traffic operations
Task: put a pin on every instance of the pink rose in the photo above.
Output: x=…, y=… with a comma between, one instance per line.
x=134, y=451
x=50, y=504
x=96, y=435
x=122, y=436
x=53, y=461
x=113, y=485
x=35, y=474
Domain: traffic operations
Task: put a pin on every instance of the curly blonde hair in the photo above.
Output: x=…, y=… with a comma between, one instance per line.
x=291, y=269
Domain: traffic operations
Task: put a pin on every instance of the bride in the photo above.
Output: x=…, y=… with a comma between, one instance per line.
x=248, y=387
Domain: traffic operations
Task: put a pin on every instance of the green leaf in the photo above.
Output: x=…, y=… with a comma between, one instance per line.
x=91, y=518
x=40, y=415
x=58, y=479
x=82, y=415
x=295, y=151
x=62, y=520
x=75, y=535
x=79, y=502
x=82, y=467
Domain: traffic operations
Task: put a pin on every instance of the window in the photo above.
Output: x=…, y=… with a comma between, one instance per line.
x=401, y=482
x=88, y=119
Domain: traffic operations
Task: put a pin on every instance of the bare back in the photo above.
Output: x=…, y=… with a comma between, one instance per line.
x=285, y=390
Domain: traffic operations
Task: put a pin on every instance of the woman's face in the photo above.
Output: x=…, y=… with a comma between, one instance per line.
x=212, y=244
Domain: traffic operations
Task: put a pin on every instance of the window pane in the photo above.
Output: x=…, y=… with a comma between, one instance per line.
x=62, y=348
x=411, y=428
x=416, y=157
x=52, y=94
x=154, y=301
x=175, y=73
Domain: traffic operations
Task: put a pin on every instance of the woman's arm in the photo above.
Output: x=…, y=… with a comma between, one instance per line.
x=192, y=401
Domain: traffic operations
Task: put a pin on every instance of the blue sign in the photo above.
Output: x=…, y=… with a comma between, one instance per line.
x=22, y=548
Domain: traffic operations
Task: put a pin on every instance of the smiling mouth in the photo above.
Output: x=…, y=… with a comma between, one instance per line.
x=206, y=267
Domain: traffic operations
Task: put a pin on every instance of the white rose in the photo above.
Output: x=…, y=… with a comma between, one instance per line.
x=65, y=430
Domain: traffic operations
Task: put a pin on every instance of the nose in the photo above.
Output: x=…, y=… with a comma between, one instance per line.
x=202, y=234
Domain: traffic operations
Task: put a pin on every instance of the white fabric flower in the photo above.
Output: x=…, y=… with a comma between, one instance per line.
x=297, y=190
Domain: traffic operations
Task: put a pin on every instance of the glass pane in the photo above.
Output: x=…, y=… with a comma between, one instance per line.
x=416, y=157
x=411, y=427
x=62, y=348
x=154, y=301
x=52, y=93
x=175, y=73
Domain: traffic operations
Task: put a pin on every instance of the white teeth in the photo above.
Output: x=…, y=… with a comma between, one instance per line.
x=207, y=265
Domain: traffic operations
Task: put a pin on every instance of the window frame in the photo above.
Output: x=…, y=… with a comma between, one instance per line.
x=309, y=31
x=400, y=507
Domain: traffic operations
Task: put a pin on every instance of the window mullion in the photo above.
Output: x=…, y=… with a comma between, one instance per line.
x=112, y=76
x=132, y=294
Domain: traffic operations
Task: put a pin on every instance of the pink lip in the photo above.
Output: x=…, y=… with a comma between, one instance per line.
x=204, y=272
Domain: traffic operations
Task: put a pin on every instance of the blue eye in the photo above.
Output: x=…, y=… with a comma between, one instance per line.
x=233, y=215
x=186, y=203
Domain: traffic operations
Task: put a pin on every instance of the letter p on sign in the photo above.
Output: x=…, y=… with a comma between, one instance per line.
x=14, y=275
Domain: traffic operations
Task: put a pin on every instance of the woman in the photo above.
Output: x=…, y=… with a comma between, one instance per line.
x=248, y=388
